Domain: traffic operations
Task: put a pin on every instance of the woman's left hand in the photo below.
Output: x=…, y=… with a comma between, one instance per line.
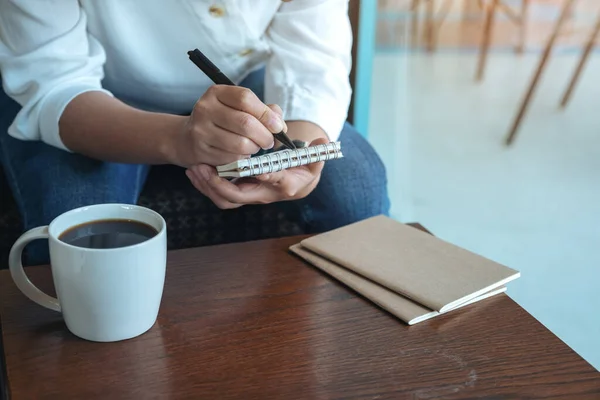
x=290, y=184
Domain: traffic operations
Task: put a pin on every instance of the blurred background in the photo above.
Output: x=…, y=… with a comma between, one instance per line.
x=448, y=81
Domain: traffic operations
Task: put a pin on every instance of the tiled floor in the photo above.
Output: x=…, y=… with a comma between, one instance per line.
x=534, y=206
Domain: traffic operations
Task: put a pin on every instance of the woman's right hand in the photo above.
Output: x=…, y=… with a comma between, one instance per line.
x=227, y=123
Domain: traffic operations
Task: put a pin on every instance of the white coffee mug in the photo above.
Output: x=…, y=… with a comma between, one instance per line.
x=105, y=295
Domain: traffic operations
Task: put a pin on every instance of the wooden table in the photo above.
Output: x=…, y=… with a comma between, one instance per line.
x=252, y=321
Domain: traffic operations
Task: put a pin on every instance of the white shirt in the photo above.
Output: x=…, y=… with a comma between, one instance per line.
x=53, y=50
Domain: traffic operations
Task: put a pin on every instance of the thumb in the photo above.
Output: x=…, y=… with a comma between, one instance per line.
x=320, y=140
x=316, y=168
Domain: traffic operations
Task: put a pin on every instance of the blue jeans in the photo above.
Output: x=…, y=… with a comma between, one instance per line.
x=46, y=181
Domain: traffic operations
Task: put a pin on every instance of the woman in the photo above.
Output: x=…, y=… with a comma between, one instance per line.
x=97, y=91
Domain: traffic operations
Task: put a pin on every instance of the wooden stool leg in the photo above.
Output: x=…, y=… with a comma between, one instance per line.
x=485, y=40
x=414, y=23
x=589, y=46
x=538, y=73
x=429, y=25
x=523, y=26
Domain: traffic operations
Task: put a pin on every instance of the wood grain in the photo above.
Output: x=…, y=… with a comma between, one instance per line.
x=252, y=321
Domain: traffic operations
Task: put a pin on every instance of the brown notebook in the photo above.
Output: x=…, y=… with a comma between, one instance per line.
x=431, y=272
x=400, y=306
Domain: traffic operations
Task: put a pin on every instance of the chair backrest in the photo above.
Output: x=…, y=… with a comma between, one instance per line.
x=354, y=14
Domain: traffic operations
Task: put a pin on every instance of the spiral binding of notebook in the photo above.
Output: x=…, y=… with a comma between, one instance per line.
x=280, y=160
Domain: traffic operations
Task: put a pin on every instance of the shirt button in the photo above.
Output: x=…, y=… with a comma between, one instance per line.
x=246, y=52
x=216, y=11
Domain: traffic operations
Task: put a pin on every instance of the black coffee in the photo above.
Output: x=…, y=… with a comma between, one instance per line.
x=108, y=234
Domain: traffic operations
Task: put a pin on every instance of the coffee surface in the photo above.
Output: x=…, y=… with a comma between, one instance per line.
x=108, y=234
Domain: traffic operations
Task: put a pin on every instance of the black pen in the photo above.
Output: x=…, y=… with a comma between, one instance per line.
x=219, y=78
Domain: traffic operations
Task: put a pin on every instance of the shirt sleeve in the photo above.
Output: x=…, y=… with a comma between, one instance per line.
x=46, y=59
x=308, y=72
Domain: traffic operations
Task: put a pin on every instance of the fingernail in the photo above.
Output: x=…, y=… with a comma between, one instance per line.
x=276, y=124
x=269, y=147
x=205, y=174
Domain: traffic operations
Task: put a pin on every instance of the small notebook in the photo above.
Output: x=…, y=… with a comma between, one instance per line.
x=280, y=160
x=431, y=272
x=400, y=306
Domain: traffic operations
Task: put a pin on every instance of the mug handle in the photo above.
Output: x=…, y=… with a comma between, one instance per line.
x=18, y=273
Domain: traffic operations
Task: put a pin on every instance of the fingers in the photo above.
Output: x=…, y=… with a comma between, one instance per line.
x=277, y=110
x=284, y=185
x=249, y=131
x=272, y=178
x=215, y=156
x=318, y=141
x=262, y=189
x=202, y=186
x=226, y=194
x=239, y=111
x=245, y=100
x=216, y=149
x=231, y=142
x=316, y=168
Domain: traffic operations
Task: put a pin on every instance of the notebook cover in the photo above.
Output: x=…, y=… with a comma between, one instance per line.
x=415, y=264
x=399, y=306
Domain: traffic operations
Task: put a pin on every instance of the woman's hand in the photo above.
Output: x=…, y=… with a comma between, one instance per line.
x=291, y=184
x=227, y=123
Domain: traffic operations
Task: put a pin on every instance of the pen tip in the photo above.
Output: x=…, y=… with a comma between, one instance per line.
x=282, y=137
